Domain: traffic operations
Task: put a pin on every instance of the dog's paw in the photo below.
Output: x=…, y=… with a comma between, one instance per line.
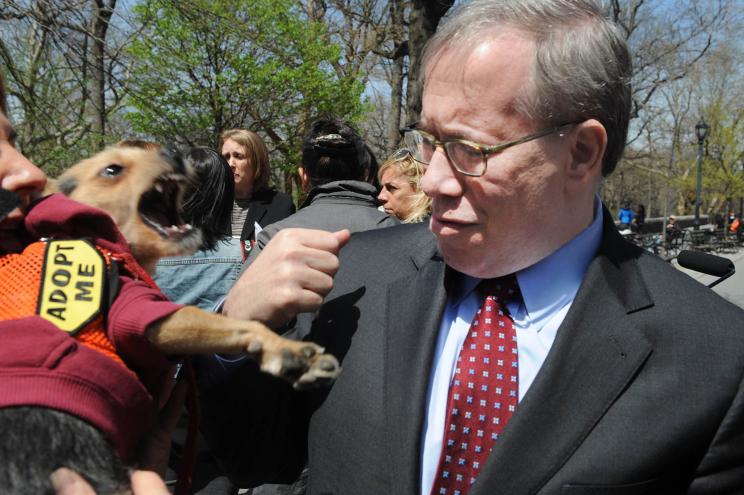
x=303, y=364
x=323, y=371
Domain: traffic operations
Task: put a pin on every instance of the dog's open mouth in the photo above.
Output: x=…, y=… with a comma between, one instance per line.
x=159, y=206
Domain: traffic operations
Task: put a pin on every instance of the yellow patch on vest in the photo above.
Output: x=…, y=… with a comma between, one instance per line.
x=73, y=284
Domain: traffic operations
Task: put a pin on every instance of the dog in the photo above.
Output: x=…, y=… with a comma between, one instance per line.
x=141, y=190
x=65, y=403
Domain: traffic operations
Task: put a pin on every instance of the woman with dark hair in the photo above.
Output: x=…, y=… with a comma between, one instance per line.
x=256, y=204
x=206, y=204
x=206, y=276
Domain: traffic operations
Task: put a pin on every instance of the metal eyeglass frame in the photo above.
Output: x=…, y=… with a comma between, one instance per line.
x=400, y=154
x=484, y=150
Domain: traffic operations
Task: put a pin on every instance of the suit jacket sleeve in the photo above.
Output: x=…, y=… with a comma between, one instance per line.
x=722, y=468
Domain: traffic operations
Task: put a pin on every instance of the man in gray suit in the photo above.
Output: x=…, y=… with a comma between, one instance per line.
x=629, y=372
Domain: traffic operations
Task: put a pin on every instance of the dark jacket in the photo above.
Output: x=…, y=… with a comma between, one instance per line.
x=266, y=207
x=338, y=205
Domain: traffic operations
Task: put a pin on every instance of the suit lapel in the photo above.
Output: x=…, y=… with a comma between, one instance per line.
x=595, y=355
x=410, y=336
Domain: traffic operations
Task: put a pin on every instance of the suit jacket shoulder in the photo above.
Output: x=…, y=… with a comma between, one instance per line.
x=641, y=391
x=367, y=265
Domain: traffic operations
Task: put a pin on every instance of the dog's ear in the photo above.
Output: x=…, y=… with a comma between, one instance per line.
x=173, y=156
x=67, y=185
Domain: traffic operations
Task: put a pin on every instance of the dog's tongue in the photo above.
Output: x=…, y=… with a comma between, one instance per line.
x=9, y=201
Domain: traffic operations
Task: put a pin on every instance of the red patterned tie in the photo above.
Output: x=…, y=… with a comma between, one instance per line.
x=483, y=393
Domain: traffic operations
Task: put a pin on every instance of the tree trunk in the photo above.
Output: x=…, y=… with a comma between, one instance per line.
x=423, y=21
x=400, y=48
x=101, y=15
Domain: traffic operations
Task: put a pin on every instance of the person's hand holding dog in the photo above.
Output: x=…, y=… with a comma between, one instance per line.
x=292, y=275
x=68, y=482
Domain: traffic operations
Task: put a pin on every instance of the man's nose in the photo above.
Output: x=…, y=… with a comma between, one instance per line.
x=440, y=177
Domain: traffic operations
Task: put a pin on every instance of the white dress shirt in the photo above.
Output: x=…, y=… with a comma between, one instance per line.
x=548, y=288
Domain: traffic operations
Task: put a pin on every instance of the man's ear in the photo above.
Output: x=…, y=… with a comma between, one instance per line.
x=588, y=144
x=304, y=179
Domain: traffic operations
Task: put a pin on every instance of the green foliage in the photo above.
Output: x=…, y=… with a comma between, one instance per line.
x=724, y=162
x=203, y=66
x=54, y=157
x=47, y=100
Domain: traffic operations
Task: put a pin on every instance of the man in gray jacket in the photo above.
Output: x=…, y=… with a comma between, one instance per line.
x=334, y=172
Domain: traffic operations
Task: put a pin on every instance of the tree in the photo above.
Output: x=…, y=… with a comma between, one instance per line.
x=424, y=19
x=668, y=41
x=60, y=63
x=385, y=39
x=99, y=25
x=720, y=92
x=209, y=65
x=373, y=38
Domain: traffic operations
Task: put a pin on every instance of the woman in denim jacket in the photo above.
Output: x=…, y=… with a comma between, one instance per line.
x=206, y=276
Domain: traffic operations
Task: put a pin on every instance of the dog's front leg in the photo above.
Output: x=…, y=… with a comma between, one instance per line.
x=193, y=331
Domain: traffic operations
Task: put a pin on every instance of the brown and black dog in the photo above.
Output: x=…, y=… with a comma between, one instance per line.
x=141, y=190
x=64, y=403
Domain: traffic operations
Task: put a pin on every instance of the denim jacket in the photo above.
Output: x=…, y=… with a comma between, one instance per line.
x=203, y=278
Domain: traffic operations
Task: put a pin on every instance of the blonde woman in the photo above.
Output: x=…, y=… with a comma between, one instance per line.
x=400, y=194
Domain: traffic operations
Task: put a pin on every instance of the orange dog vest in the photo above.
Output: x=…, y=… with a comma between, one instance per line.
x=67, y=282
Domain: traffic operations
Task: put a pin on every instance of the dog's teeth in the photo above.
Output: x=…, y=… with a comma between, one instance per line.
x=159, y=188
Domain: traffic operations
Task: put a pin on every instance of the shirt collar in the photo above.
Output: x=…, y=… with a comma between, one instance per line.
x=564, y=268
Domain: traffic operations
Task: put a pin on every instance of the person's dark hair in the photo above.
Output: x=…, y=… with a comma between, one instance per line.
x=36, y=441
x=372, y=166
x=208, y=201
x=333, y=150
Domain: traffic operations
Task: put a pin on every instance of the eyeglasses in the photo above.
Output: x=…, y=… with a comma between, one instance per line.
x=466, y=157
x=400, y=154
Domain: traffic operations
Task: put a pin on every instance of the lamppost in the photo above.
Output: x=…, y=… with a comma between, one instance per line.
x=701, y=130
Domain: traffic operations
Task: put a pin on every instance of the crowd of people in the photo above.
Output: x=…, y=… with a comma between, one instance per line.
x=481, y=354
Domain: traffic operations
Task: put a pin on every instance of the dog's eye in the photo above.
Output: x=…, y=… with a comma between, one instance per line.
x=112, y=170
